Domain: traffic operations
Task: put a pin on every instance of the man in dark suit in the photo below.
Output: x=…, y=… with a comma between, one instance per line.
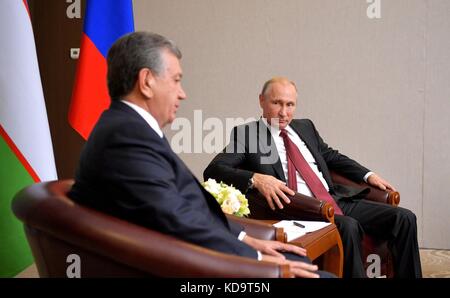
x=266, y=154
x=128, y=169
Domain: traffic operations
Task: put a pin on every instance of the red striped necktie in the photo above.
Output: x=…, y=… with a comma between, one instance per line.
x=296, y=162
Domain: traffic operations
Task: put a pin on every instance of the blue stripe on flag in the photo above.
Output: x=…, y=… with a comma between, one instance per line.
x=105, y=21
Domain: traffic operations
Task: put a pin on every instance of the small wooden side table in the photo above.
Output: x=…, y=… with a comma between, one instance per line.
x=324, y=248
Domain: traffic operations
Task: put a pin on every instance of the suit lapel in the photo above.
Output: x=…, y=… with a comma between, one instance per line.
x=308, y=137
x=270, y=148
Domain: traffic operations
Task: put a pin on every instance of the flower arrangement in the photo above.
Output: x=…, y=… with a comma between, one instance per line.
x=230, y=199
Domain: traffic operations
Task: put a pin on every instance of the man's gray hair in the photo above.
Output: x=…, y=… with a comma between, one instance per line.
x=273, y=80
x=132, y=52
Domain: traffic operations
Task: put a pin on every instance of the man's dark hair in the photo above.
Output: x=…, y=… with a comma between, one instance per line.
x=132, y=52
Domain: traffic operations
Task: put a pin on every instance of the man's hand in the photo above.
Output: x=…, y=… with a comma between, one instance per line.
x=272, y=248
x=270, y=253
x=272, y=189
x=379, y=182
x=300, y=269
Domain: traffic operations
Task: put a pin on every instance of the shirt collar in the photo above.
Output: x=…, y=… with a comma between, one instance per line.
x=147, y=117
x=275, y=131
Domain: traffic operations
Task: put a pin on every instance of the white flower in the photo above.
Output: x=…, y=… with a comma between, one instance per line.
x=212, y=186
x=227, y=207
x=230, y=199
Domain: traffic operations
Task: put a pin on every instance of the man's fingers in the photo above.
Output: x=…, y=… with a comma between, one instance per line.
x=274, y=191
x=277, y=201
x=388, y=186
x=304, y=273
x=304, y=266
x=281, y=194
x=287, y=190
x=293, y=248
x=302, y=269
x=300, y=251
x=299, y=269
x=273, y=252
x=379, y=182
x=269, y=201
x=381, y=186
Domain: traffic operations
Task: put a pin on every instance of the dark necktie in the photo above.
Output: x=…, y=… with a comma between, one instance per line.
x=296, y=161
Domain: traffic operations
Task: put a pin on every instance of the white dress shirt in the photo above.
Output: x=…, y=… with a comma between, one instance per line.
x=147, y=117
x=295, y=138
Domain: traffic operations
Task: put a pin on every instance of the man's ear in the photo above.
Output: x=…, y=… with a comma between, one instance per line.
x=261, y=100
x=146, y=81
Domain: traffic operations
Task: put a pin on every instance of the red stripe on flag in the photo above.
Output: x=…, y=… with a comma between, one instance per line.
x=19, y=155
x=25, y=2
x=90, y=96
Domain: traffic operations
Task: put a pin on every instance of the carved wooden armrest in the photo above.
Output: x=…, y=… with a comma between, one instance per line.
x=259, y=229
x=375, y=194
x=305, y=207
x=387, y=196
x=301, y=207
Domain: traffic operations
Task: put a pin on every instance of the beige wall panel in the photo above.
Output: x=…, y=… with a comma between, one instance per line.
x=436, y=195
x=361, y=80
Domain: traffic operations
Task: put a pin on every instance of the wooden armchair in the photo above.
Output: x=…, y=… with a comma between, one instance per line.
x=372, y=245
x=57, y=229
x=308, y=208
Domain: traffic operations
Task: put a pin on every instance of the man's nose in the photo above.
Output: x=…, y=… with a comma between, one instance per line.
x=182, y=94
x=282, y=111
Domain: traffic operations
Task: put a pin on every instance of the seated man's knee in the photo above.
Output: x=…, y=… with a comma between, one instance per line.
x=406, y=215
x=349, y=226
x=326, y=274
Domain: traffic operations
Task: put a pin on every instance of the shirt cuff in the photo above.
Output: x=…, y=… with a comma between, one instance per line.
x=242, y=235
x=367, y=176
x=259, y=255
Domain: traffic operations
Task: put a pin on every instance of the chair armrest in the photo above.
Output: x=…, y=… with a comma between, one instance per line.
x=259, y=229
x=301, y=207
x=59, y=226
x=306, y=207
x=375, y=194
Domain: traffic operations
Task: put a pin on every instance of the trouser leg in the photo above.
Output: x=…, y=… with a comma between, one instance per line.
x=351, y=234
x=398, y=226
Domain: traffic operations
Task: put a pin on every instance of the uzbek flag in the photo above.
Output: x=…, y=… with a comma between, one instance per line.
x=104, y=22
x=26, y=153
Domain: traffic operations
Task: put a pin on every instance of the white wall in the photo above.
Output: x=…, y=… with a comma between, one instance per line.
x=436, y=146
x=377, y=89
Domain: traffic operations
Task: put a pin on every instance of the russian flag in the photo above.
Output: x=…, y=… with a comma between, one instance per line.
x=105, y=21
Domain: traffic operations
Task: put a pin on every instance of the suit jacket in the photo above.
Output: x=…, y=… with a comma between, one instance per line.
x=252, y=150
x=128, y=171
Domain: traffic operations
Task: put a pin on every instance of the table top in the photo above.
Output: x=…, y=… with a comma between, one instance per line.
x=324, y=242
x=309, y=239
